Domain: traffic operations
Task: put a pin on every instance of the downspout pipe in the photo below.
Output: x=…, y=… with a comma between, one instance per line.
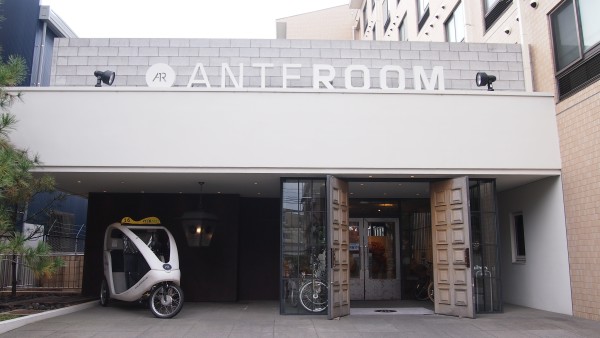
x=40, y=64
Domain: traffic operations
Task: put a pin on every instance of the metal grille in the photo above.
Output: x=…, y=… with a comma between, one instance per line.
x=579, y=77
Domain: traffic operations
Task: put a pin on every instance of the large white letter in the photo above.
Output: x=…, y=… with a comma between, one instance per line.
x=287, y=76
x=365, y=73
x=437, y=76
x=262, y=67
x=237, y=84
x=193, y=80
x=391, y=68
x=326, y=80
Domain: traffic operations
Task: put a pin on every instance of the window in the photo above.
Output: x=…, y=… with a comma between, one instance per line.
x=423, y=6
x=402, y=31
x=493, y=10
x=576, y=43
x=518, y=237
x=455, y=26
x=423, y=10
x=488, y=5
x=386, y=15
x=365, y=20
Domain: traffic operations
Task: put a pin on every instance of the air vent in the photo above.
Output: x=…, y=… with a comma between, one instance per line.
x=496, y=12
x=579, y=77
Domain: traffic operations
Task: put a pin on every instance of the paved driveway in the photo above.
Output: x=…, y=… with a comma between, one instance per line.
x=262, y=319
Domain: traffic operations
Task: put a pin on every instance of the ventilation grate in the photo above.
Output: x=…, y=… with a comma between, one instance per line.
x=579, y=77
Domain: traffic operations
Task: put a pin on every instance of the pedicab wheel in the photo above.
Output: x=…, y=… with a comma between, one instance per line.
x=166, y=301
x=104, y=294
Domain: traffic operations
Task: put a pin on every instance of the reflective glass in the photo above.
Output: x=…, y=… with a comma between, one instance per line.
x=303, y=244
x=564, y=32
x=382, y=250
x=590, y=25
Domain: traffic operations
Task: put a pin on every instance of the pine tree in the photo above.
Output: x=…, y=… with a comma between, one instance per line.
x=17, y=183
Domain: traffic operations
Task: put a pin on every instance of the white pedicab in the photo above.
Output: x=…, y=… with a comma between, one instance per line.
x=141, y=263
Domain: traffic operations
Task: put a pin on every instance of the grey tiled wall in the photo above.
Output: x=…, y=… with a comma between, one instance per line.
x=75, y=60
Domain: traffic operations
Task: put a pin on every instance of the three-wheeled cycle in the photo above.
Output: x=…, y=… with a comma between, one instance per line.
x=141, y=263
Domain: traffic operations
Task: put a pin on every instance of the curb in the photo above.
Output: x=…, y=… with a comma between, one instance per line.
x=11, y=324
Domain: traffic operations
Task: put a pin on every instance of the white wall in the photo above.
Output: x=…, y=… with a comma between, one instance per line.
x=542, y=282
x=182, y=129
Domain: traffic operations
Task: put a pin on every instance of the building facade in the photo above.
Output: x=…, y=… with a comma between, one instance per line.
x=275, y=127
x=560, y=48
x=29, y=31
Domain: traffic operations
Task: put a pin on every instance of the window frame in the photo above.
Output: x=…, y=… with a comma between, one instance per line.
x=422, y=15
x=452, y=17
x=518, y=257
x=402, y=29
x=494, y=12
x=583, y=55
x=582, y=71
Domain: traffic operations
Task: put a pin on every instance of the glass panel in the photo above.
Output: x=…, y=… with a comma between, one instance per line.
x=382, y=250
x=423, y=6
x=484, y=243
x=303, y=246
x=489, y=4
x=355, y=258
x=401, y=32
x=590, y=26
x=564, y=33
x=455, y=27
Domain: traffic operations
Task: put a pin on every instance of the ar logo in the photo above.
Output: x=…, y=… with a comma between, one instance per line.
x=160, y=75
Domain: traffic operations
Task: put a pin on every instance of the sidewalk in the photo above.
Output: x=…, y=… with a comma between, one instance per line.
x=262, y=319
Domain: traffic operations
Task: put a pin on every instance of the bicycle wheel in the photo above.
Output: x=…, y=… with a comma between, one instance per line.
x=313, y=296
x=104, y=293
x=166, y=301
x=421, y=291
x=431, y=291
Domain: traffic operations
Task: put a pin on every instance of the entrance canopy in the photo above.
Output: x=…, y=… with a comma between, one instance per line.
x=244, y=141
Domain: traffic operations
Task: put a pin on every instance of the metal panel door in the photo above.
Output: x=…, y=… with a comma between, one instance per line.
x=338, y=264
x=451, y=234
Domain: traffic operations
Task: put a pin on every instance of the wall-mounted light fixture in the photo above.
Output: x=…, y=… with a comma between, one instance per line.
x=107, y=76
x=482, y=79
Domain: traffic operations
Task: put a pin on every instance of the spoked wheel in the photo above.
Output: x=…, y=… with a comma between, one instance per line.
x=104, y=293
x=166, y=300
x=431, y=292
x=313, y=296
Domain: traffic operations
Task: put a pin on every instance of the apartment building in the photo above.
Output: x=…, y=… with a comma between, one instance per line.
x=560, y=41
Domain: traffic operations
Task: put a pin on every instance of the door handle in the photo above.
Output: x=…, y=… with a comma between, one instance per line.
x=467, y=258
x=332, y=257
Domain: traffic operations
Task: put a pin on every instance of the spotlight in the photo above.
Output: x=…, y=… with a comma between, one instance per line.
x=482, y=79
x=107, y=76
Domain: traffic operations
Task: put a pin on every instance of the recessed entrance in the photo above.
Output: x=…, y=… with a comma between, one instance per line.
x=374, y=257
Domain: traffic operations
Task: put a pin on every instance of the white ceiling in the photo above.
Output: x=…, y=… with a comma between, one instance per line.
x=258, y=185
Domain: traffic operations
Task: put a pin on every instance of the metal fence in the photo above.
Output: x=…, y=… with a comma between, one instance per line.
x=68, y=276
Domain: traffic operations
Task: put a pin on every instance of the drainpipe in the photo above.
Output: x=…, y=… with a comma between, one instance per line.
x=527, y=71
x=40, y=65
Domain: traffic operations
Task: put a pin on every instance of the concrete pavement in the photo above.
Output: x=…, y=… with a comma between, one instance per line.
x=262, y=319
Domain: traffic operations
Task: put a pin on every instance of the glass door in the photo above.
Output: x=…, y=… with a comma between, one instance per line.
x=374, y=258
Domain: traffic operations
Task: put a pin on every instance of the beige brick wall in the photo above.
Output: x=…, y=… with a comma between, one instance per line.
x=578, y=120
x=328, y=24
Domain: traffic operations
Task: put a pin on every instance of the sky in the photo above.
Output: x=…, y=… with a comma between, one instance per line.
x=180, y=18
